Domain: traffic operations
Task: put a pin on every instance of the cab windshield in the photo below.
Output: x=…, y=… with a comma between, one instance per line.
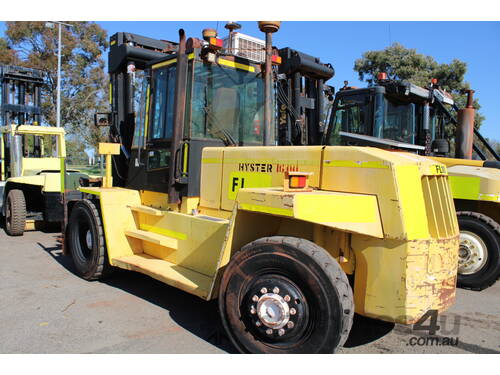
x=352, y=115
x=395, y=120
x=391, y=119
x=227, y=103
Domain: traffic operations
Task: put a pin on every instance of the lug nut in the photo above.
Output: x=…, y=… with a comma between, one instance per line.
x=281, y=332
x=252, y=310
x=255, y=298
x=290, y=324
x=287, y=298
x=258, y=323
x=263, y=290
x=276, y=290
x=269, y=331
x=293, y=311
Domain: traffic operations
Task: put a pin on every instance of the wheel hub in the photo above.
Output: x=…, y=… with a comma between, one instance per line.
x=275, y=309
x=472, y=254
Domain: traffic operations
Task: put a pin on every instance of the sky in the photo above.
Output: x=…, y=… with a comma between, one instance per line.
x=341, y=43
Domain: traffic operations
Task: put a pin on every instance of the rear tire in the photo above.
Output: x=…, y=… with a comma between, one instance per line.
x=479, y=254
x=285, y=295
x=15, y=213
x=86, y=241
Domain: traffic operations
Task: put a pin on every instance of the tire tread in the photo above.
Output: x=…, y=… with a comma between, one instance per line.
x=103, y=268
x=18, y=213
x=331, y=268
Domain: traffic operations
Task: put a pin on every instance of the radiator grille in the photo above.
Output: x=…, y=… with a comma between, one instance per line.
x=441, y=216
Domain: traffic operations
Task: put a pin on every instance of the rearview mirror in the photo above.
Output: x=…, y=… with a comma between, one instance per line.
x=103, y=119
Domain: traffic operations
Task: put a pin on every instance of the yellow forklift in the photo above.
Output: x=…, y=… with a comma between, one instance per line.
x=290, y=240
x=398, y=115
x=31, y=156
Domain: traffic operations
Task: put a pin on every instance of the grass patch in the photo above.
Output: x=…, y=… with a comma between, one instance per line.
x=92, y=170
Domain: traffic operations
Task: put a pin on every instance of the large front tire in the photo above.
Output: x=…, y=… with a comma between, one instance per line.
x=15, y=213
x=86, y=241
x=285, y=295
x=479, y=254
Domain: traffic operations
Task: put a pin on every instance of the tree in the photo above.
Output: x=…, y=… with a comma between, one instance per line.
x=83, y=80
x=406, y=64
x=76, y=154
x=494, y=144
x=7, y=55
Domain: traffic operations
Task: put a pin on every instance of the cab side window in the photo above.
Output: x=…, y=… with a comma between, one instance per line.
x=163, y=104
x=352, y=115
x=141, y=103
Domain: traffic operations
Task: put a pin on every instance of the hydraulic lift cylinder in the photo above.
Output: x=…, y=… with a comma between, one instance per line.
x=16, y=155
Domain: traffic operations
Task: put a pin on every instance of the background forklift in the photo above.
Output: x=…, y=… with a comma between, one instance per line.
x=31, y=156
x=290, y=240
x=402, y=116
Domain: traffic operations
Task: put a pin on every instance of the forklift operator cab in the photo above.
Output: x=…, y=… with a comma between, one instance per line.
x=28, y=150
x=395, y=118
x=224, y=101
x=392, y=119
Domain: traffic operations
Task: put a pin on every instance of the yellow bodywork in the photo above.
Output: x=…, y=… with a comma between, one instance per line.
x=39, y=131
x=32, y=168
x=49, y=182
x=179, y=249
x=469, y=179
x=108, y=149
x=357, y=213
x=387, y=218
x=450, y=162
x=475, y=187
x=399, y=281
x=475, y=183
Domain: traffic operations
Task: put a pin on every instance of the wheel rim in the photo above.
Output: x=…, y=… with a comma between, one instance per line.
x=86, y=240
x=275, y=310
x=472, y=254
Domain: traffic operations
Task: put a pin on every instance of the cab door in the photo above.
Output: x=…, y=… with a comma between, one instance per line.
x=150, y=162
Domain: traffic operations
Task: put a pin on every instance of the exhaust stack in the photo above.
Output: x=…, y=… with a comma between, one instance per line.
x=268, y=27
x=464, y=137
x=179, y=112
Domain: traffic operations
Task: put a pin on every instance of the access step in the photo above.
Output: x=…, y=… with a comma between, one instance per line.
x=169, y=273
x=212, y=218
x=146, y=210
x=155, y=238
